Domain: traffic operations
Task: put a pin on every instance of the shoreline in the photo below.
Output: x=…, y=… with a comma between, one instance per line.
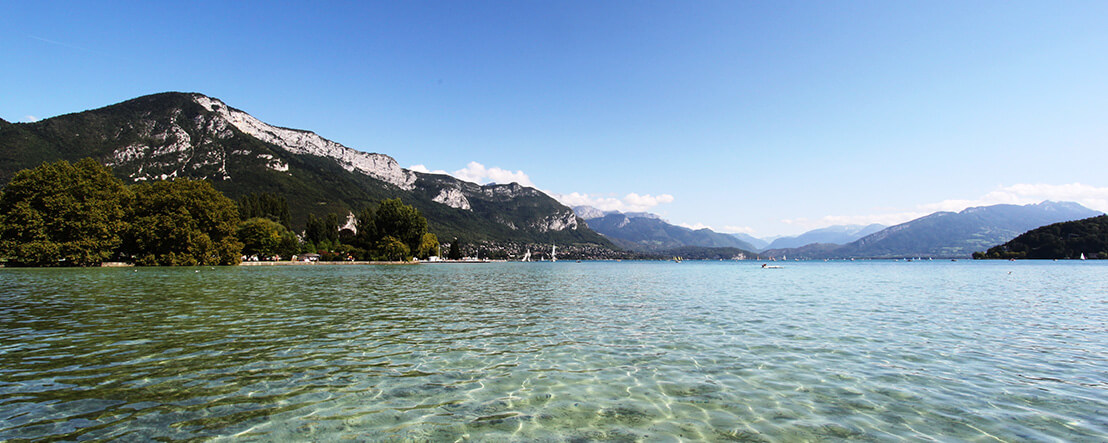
x=324, y=263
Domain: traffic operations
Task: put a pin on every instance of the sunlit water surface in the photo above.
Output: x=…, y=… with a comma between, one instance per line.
x=566, y=351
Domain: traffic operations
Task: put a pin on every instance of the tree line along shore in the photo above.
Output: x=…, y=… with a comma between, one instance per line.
x=79, y=214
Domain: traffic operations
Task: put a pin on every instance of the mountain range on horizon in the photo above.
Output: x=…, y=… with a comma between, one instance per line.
x=947, y=234
x=941, y=234
x=837, y=234
x=646, y=232
x=190, y=135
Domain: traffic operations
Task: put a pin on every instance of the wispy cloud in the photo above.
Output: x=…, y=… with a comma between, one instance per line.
x=478, y=173
x=1020, y=194
x=629, y=203
x=30, y=119
x=71, y=46
x=888, y=219
x=423, y=169
x=694, y=226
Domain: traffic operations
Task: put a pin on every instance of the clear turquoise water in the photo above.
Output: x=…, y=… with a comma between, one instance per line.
x=567, y=351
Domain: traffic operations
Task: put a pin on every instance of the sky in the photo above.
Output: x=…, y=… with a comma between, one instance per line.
x=767, y=118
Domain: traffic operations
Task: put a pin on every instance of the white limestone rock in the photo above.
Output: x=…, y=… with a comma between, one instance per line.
x=453, y=198
x=557, y=222
x=379, y=166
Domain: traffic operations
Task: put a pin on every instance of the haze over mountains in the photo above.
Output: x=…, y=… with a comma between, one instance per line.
x=942, y=234
x=839, y=235
x=948, y=234
x=649, y=233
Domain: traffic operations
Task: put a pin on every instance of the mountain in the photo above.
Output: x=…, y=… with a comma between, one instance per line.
x=1072, y=239
x=172, y=134
x=587, y=212
x=758, y=243
x=840, y=235
x=953, y=234
x=649, y=233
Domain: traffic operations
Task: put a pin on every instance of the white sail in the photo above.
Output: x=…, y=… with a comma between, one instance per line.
x=1082, y=255
x=553, y=253
x=527, y=256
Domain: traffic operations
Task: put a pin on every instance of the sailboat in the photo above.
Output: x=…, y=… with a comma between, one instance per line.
x=553, y=253
x=1082, y=255
x=527, y=256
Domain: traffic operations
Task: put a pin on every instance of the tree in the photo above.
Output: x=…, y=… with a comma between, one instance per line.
x=395, y=219
x=62, y=214
x=428, y=246
x=322, y=229
x=455, y=250
x=331, y=223
x=183, y=222
x=391, y=248
x=366, y=236
x=314, y=229
x=272, y=206
x=266, y=238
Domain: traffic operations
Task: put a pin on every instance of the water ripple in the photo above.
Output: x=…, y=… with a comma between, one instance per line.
x=593, y=351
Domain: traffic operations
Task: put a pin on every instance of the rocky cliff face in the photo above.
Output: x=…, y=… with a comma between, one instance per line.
x=170, y=135
x=379, y=166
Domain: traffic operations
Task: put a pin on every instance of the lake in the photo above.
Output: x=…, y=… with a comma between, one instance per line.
x=866, y=350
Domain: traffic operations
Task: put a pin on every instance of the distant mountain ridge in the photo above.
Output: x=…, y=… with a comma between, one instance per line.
x=756, y=242
x=839, y=234
x=191, y=135
x=647, y=232
x=949, y=234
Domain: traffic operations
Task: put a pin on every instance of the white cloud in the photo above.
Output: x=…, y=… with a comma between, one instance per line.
x=629, y=203
x=478, y=173
x=887, y=219
x=695, y=226
x=423, y=169
x=30, y=119
x=1020, y=194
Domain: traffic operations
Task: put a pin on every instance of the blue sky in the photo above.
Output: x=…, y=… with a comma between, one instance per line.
x=764, y=117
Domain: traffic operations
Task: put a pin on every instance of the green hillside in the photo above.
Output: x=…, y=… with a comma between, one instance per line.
x=172, y=135
x=1067, y=240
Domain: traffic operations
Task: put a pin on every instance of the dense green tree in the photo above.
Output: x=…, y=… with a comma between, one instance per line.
x=289, y=245
x=332, y=224
x=266, y=238
x=272, y=206
x=366, y=236
x=314, y=230
x=392, y=249
x=1055, y=241
x=183, y=222
x=455, y=250
x=320, y=229
x=428, y=246
x=395, y=219
x=62, y=214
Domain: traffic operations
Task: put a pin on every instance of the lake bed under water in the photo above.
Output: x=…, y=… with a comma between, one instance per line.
x=872, y=350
